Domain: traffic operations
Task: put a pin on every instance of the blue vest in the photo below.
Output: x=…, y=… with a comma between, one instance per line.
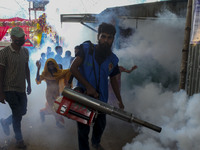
x=100, y=82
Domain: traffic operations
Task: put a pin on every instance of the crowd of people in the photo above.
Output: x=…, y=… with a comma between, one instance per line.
x=95, y=67
x=65, y=61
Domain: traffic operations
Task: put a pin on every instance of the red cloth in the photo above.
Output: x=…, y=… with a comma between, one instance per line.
x=3, y=31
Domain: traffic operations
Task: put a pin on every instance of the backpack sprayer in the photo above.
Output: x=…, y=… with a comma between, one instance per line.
x=83, y=108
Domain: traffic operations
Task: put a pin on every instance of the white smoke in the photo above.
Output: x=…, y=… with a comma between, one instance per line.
x=174, y=112
x=159, y=41
x=154, y=43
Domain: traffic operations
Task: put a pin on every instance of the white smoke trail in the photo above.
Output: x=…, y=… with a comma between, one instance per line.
x=159, y=39
x=174, y=112
x=153, y=44
x=155, y=47
x=177, y=114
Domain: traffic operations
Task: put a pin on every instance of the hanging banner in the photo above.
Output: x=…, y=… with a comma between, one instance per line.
x=195, y=33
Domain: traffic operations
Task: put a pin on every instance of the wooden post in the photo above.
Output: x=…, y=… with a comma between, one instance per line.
x=185, y=50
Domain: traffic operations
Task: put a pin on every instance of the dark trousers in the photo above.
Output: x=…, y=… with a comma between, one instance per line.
x=83, y=132
x=18, y=104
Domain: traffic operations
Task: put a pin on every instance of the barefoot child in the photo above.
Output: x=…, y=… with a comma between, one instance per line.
x=56, y=79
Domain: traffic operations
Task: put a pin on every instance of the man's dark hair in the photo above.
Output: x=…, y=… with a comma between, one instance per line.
x=77, y=47
x=60, y=66
x=68, y=53
x=58, y=47
x=106, y=28
x=42, y=54
x=48, y=47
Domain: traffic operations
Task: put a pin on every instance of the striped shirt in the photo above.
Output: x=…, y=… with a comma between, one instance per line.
x=14, y=63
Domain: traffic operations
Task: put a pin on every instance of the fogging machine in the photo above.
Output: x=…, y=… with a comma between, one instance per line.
x=83, y=108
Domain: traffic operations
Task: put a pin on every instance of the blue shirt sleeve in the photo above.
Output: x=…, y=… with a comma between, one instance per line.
x=115, y=71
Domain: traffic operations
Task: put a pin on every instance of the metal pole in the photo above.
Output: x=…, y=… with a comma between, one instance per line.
x=29, y=9
x=89, y=27
x=35, y=13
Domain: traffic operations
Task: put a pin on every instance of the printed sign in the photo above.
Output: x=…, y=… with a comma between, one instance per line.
x=195, y=34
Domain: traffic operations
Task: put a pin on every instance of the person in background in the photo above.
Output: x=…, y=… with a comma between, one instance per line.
x=58, y=57
x=112, y=100
x=76, y=49
x=92, y=66
x=66, y=61
x=49, y=52
x=14, y=72
x=51, y=55
x=60, y=66
x=56, y=79
x=42, y=59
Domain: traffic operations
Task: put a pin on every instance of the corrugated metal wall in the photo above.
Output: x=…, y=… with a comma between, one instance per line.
x=193, y=70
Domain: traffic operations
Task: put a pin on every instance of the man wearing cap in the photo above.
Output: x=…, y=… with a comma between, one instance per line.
x=14, y=72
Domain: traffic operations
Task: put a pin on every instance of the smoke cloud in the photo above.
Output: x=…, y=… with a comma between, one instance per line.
x=155, y=47
x=176, y=113
x=150, y=92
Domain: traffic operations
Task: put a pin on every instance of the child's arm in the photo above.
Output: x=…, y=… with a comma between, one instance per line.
x=38, y=64
x=122, y=69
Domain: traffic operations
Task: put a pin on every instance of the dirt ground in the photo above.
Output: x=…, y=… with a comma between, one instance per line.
x=46, y=136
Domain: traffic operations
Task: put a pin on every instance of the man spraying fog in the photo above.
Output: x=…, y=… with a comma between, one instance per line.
x=92, y=66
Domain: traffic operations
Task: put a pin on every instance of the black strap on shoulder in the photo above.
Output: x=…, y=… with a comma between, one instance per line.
x=91, y=46
x=91, y=51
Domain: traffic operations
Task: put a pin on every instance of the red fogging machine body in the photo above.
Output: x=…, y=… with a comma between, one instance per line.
x=73, y=110
x=83, y=108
